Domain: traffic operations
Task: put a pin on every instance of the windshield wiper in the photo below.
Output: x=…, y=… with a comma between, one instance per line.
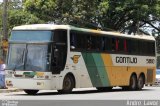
x=19, y=61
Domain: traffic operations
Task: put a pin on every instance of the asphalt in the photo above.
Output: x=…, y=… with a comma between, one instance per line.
x=10, y=90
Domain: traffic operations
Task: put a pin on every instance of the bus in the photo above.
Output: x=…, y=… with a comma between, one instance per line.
x=63, y=57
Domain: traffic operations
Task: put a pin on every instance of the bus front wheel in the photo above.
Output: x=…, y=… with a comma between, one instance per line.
x=31, y=92
x=68, y=84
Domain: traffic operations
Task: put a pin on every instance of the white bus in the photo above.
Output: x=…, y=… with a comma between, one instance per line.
x=63, y=57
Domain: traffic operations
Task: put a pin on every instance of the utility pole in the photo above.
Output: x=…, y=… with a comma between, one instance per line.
x=5, y=15
x=4, y=29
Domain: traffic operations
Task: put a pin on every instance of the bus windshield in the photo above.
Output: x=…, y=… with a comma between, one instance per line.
x=16, y=56
x=28, y=50
x=31, y=57
x=36, y=59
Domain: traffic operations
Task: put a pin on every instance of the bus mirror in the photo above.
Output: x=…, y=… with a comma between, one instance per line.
x=72, y=47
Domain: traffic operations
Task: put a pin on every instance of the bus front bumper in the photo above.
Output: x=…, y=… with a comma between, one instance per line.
x=28, y=83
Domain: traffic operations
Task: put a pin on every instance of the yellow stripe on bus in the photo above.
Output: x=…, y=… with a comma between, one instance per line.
x=120, y=75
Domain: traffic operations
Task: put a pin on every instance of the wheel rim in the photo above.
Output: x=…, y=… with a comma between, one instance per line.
x=133, y=83
x=67, y=83
x=140, y=83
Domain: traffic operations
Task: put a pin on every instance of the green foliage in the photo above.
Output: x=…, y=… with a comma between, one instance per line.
x=120, y=15
x=43, y=9
x=17, y=15
x=63, y=11
x=128, y=14
x=20, y=17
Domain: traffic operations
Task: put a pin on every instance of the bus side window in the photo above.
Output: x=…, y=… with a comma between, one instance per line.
x=117, y=41
x=152, y=48
x=88, y=42
x=98, y=43
x=108, y=44
x=102, y=43
x=113, y=45
x=134, y=47
x=121, y=45
x=125, y=45
x=94, y=44
x=129, y=45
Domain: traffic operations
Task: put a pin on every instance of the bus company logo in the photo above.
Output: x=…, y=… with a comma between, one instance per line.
x=75, y=58
x=126, y=60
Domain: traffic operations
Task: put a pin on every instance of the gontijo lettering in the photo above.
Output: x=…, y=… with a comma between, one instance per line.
x=126, y=59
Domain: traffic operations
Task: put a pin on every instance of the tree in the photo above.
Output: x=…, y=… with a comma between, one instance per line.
x=129, y=15
x=120, y=15
x=63, y=11
x=20, y=17
x=43, y=9
x=17, y=15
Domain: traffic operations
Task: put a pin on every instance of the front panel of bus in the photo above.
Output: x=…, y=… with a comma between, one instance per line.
x=34, y=55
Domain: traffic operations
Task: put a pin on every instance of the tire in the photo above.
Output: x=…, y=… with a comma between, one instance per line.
x=68, y=84
x=104, y=89
x=133, y=83
x=140, y=83
x=31, y=92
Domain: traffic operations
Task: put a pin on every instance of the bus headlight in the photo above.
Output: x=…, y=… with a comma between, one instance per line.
x=40, y=75
x=9, y=83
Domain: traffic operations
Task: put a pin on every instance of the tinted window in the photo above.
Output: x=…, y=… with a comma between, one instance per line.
x=77, y=41
x=111, y=44
x=31, y=36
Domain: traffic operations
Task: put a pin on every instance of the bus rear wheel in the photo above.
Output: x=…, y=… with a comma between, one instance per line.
x=133, y=83
x=31, y=92
x=68, y=84
x=141, y=81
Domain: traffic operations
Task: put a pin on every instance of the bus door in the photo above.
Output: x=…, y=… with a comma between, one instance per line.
x=58, y=54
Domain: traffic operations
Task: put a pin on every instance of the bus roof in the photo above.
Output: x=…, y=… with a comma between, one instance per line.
x=53, y=26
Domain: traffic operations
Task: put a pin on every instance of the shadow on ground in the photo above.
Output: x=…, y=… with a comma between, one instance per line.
x=83, y=92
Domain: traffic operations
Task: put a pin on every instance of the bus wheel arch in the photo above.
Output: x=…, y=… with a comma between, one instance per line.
x=141, y=81
x=68, y=84
x=133, y=82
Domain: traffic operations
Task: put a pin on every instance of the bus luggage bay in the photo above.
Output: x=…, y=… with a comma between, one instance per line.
x=63, y=57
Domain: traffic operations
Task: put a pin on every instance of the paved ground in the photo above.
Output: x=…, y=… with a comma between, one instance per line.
x=9, y=90
x=148, y=93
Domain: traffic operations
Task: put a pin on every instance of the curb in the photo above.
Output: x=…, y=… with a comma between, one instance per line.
x=10, y=90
